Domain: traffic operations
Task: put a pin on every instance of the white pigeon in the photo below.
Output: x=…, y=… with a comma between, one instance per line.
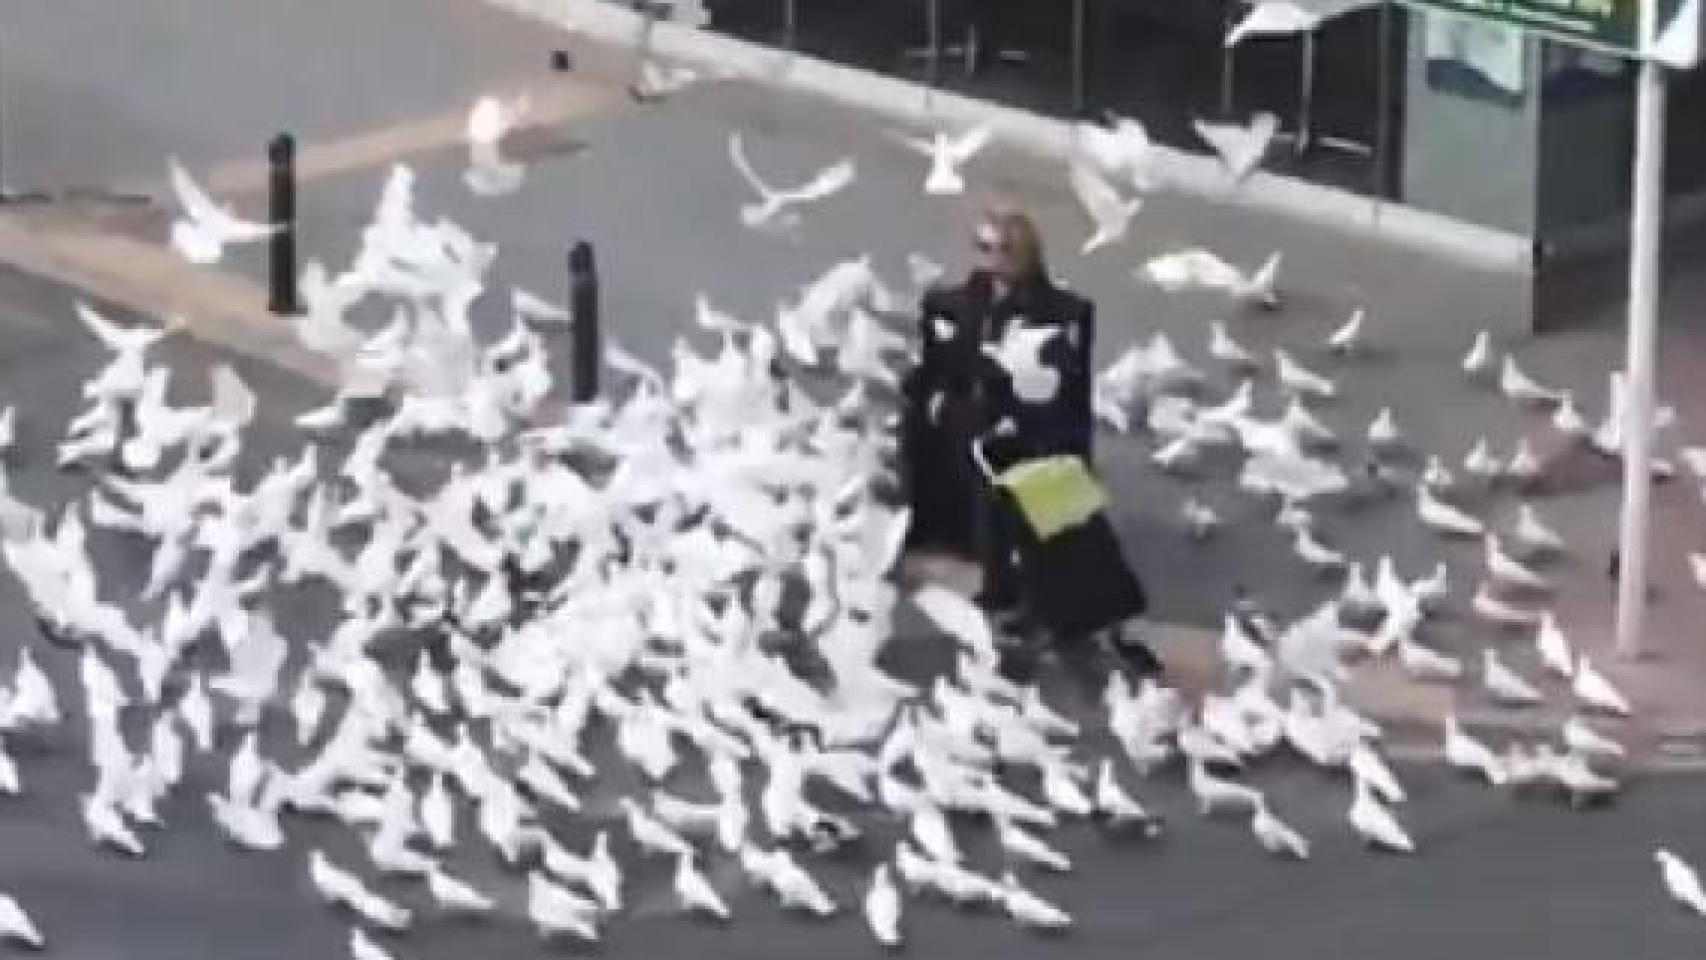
x=1358, y=595
x=531, y=306
x=1506, y=571
x=1680, y=881
x=362, y=947
x=556, y=910
x=1525, y=465
x=650, y=835
x=32, y=701
x=1533, y=535
x=489, y=172
x=1314, y=552
x=1375, y=824
x=1196, y=267
x=205, y=228
x=1697, y=567
x=1554, y=647
x=1222, y=347
x=17, y=926
x=438, y=815
x=1199, y=518
x=1276, y=836
x=947, y=154
x=1383, y=432
x=1299, y=380
x=1567, y=419
x=695, y=892
x=1212, y=792
x=1367, y=765
x=1116, y=805
x=1026, y=847
x=1506, y=687
x=1519, y=387
x=1309, y=431
x=1347, y=338
x=959, y=618
x=598, y=870
x=793, y=886
x=10, y=785
x=1580, y=737
x=930, y=829
x=775, y=206
x=1427, y=664
x=456, y=895
x=1436, y=475
x=1572, y=772
x=1121, y=149
x=1240, y=147
x=1480, y=359
x=1028, y=909
x=882, y=907
x=1110, y=214
x=1480, y=461
x=923, y=270
x=197, y=712
x=107, y=827
x=1287, y=18
x=1593, y=689
x=1467, y=753
x=1020, y=354
x=1494, y=610
x=1444, y=518
x=662, y=80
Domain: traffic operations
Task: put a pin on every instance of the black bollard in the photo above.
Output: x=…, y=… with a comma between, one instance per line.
x=281, y=260
x=586, y=354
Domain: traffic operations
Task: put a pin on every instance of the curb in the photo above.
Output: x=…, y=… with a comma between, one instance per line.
x=1468, y=244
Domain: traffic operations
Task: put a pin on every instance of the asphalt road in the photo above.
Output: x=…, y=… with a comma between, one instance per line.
x=1496, y=874
x=208, y=81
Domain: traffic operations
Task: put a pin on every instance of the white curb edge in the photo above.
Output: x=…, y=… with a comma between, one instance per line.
x=1467, y=243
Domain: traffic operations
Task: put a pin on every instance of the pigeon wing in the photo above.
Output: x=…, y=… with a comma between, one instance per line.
x=830, y=180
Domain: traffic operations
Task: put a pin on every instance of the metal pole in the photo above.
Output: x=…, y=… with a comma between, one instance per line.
x=281, y=260
x=1228, y=66
x=1646, y=227
x=1383, y=107
x=2, y=128
x=1306, y=96
x=1078, y=56
x=933, y=11
x=585, y=353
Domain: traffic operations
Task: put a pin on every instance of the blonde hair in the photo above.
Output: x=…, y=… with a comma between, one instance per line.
x=1020, y=238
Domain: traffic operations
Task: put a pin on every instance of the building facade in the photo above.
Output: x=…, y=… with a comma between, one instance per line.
x=1476, y=121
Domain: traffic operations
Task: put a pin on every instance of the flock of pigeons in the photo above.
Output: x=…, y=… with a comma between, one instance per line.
x=692, y=579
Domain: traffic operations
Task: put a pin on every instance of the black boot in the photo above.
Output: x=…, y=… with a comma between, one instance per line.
x=1135, y=655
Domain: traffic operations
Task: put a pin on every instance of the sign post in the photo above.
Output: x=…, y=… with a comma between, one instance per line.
x=1659, y=35
x=1646, y=222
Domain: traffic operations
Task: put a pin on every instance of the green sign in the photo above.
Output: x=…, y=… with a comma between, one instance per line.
x=1599, y=23
x=1610, y=25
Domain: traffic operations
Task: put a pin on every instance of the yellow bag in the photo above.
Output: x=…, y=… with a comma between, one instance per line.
x=1054, y=493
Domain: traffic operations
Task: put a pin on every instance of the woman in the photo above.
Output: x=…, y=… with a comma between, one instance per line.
x=959, y=394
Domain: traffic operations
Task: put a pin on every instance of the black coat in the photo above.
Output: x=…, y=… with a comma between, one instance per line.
x=957, y=394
